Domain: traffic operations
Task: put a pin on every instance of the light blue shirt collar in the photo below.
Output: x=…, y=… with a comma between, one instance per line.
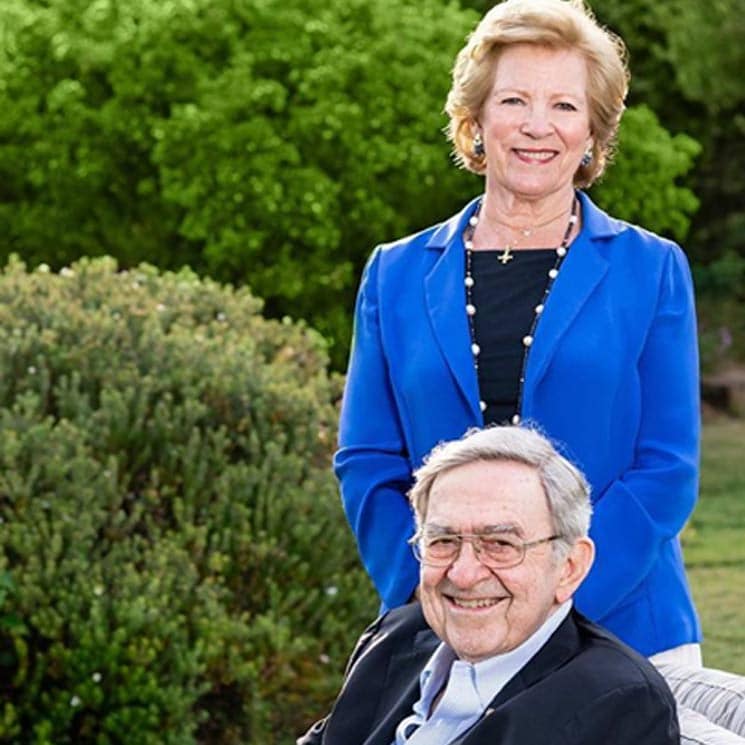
x=490, y=676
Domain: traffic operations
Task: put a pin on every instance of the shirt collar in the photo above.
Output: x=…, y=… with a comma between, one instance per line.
x=491, y=675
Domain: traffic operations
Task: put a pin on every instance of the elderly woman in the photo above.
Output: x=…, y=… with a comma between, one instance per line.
x=532, y=304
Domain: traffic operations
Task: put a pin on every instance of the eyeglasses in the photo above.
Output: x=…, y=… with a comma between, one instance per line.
x=494, y=550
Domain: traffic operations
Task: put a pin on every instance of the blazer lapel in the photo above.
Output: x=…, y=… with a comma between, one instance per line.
x=445, y=297
x=401, y=687
x=561, y=647
x=583, y=269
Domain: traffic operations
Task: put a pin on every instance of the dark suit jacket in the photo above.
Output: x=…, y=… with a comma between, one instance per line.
x=584, y=687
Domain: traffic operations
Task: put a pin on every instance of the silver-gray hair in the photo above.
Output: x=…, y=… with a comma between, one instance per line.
x=566, y=489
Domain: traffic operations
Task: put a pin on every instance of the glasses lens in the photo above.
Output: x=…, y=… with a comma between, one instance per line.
x=497, y=551
x=493, y=551
x=439, y=549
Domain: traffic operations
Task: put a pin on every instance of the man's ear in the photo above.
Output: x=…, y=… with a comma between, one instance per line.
x=575, y=566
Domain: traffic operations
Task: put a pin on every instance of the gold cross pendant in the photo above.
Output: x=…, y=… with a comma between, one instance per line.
x=506, y=255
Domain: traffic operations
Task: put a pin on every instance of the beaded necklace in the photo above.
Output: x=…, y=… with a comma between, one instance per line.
x=527, y=340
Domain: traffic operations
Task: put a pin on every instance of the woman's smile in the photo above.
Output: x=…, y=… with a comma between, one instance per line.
x=535, y=124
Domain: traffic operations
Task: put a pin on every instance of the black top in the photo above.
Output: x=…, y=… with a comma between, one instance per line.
x=505, y=296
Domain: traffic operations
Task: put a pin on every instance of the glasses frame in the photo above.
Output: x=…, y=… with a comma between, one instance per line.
x=473, y=539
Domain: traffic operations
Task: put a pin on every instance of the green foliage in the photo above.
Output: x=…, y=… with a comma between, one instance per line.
x=715, y=32
x=654, y=201
x=721, y=291
x=261, y=142
x=687, y=60
x=269, y=142
x=174, y=564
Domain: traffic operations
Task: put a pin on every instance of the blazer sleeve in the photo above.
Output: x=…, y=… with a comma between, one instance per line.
x=372, y=463
x=650, y=503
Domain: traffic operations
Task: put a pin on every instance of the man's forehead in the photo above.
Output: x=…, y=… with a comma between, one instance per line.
x=504, y=492
x=490, y=478
x=506, y=528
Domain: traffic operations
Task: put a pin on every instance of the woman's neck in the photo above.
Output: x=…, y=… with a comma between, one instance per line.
x=506, y=207
x=507, y=220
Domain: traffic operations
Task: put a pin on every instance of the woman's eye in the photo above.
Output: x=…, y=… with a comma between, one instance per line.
x=512, y=100
x=566, y=106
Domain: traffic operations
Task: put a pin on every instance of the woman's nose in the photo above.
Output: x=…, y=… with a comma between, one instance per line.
x=537, y=122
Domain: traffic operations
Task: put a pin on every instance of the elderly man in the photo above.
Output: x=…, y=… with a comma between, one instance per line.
x=493, y=652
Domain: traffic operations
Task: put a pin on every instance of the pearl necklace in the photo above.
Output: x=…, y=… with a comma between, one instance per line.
x=527, y=340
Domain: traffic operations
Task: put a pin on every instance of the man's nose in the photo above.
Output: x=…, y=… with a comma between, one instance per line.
x=467, y=569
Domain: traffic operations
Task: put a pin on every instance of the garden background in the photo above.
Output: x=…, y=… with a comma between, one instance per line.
x=174, y=563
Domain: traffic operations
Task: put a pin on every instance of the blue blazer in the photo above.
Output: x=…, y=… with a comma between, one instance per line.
x=612, y=378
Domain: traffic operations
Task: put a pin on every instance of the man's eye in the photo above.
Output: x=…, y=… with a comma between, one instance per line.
x=497, y=544
x=442, y=542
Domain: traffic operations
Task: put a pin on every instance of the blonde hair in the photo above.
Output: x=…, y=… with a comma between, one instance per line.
x=559, y=24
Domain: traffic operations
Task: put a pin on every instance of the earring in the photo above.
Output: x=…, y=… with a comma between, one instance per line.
x=478, y=145
x=587, y=157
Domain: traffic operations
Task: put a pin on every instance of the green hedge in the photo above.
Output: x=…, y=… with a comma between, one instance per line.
x=263, y=142
x=721, y=311
x=174, y=564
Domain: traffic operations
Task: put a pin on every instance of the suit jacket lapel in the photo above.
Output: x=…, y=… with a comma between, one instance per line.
x=583, y=269
x=563, y=644
x=401, y=687
x=445, y=298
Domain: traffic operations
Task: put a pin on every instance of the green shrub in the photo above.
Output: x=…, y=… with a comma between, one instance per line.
x=642, y=183
x=721, y=311
x=263, y=142
x=174, y=564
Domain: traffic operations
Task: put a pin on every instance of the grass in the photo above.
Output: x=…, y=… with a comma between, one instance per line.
x=714, y=545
